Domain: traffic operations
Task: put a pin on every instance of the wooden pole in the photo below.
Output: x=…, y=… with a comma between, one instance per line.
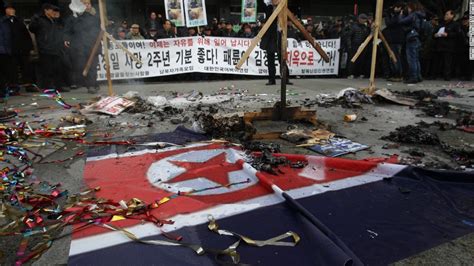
x=378, y=23
x=362, y=47
x=93, y=54
x=103, y=23
x=283, y=18
x=259, y=36
x=307, y=36
x=387, y=47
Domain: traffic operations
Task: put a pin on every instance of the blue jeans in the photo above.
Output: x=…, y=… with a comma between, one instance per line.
x=413, y=59
x=396, y=68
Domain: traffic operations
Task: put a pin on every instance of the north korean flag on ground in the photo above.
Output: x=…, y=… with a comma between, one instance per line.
x=383, y=212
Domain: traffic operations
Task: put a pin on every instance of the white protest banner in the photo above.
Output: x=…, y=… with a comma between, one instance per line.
x=195, y=13
x=175, y=12
x=217, y=55
x=249, y=11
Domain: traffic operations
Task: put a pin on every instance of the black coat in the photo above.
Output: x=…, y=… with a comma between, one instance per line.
x=448, y=44
x=269, y=41
x=21, y=38
x=394, y=33
x=48, y=35
x=359, y=33
x=231, y=34
x=162, y=34
x=5, y=37
x=82, y=32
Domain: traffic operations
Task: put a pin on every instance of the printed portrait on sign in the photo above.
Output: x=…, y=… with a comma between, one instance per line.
x=174, y=12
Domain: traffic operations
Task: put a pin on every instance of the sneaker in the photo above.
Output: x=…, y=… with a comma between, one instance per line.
x=74, y=87
x=350, y=77
x=362, y=77
x=272, y=82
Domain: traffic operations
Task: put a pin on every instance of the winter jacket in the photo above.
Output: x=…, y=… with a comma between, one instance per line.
x=394, y=32
x=231, y=34
x=130, y=36
x=5, y=37
x=156, y=24
x=48, y=34
x=21, y=38
x=412, y=21
x=359, y=32
x=448, y=44
x=82, y=31
x=162, y=34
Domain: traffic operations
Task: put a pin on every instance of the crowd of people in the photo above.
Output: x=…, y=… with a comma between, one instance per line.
x=426, y=46
x=50, y=51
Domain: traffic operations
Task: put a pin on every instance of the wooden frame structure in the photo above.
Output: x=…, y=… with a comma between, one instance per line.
x=283, y=14
x=375, y=36
x=103, y=39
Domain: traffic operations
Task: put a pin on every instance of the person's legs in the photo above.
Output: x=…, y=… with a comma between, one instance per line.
x=3, y=74
x=14, y=70
x=411, y=53
x=271, y=67
x=91, y=79
x=397, y=67
x=465, y=67
x=448, y=64
x=46, y=70
x=419, y=78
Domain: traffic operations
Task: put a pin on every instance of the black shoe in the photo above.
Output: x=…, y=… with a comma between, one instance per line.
x=410, y=81
x=289, y=83
x=93, y=90
x=31, y=89
x=64, y=90
x=270, y=83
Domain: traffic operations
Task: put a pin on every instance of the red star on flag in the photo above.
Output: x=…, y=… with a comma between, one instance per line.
x=216, y=169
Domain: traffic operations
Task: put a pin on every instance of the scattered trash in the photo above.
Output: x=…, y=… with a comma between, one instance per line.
x=257, y=146
x=420, y=95
x=230, y=126
x=350, y=118
x=416, y=153
x=77, y=120
x=269, y=163
x=447, y=93
x=306, y=138
x=437, y=109
x=194, y=96
x=178, y=121
x=157, y=101
x=353, y=98
x=391, y=146
x=391, y=97
x=412, y=135
x=337, y=146
x=112, y=105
